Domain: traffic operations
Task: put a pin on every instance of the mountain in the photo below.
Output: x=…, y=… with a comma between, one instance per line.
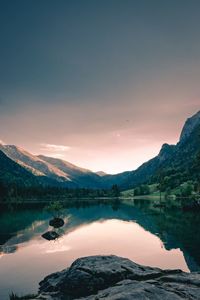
x=189, y=126
x=13, y=173
x=144, y=173
x=101, y=173
x=52, y=171
x=172, y=159
x=80, y=176
x=32, y=163
x=179, y=162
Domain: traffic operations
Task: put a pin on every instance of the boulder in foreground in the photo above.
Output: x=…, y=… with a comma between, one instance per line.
x=117, y=278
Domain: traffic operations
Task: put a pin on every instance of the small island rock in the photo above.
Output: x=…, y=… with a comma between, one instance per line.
x=56, y=222
x=50, y=235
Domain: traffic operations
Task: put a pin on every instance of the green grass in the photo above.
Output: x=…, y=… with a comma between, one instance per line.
x=153, y=192
x=128, y=193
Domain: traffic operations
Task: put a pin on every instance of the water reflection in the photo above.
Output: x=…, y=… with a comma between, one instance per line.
x=50, y=235
x=141, y=232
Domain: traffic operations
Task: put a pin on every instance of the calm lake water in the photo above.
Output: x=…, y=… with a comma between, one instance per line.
x=166, y=238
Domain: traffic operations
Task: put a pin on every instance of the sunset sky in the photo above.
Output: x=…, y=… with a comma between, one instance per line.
x=100, y=83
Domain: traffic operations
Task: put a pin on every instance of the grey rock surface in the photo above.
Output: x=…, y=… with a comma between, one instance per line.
x=116, y=278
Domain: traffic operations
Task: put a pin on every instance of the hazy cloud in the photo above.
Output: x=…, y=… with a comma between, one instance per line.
x=54, y=148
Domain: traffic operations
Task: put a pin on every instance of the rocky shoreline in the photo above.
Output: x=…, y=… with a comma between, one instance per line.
x=116, y=278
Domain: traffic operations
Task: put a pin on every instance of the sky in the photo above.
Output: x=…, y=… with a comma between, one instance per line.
x=99, y=83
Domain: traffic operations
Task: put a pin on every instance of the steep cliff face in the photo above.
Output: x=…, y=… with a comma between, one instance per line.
x=180, y=156
x=189, y=126
x=166, y=152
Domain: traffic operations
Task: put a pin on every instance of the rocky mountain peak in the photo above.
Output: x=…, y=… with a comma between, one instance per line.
x=189, y=126
x=101, y=173
x=165, y=151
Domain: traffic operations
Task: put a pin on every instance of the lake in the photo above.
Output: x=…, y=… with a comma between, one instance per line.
x=166, y=238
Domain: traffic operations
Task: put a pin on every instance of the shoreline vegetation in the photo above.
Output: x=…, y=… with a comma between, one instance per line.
x=182, y=204
x=184, y=194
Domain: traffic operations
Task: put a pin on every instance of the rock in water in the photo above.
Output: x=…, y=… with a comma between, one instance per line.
x=50, y=235
x=56, y=222
x=116, y=278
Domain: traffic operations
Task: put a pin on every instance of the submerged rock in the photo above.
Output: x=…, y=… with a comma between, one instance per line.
x=56, y=222
x=117, y=278
x=50, y=235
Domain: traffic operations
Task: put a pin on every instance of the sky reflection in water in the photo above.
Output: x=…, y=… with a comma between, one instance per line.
x=127, y=232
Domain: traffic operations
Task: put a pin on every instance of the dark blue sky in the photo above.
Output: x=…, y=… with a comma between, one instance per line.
x=111, y=80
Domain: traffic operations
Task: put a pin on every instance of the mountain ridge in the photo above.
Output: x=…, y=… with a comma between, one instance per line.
x=178, y=156
x=60, y=171
x=63, y=173
x=12, y=172
x=79, y=176
x=189, y=126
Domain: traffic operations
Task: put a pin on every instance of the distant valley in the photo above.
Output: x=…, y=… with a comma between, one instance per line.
x=180, y=162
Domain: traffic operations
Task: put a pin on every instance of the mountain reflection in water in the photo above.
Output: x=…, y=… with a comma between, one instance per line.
x=163, y=238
